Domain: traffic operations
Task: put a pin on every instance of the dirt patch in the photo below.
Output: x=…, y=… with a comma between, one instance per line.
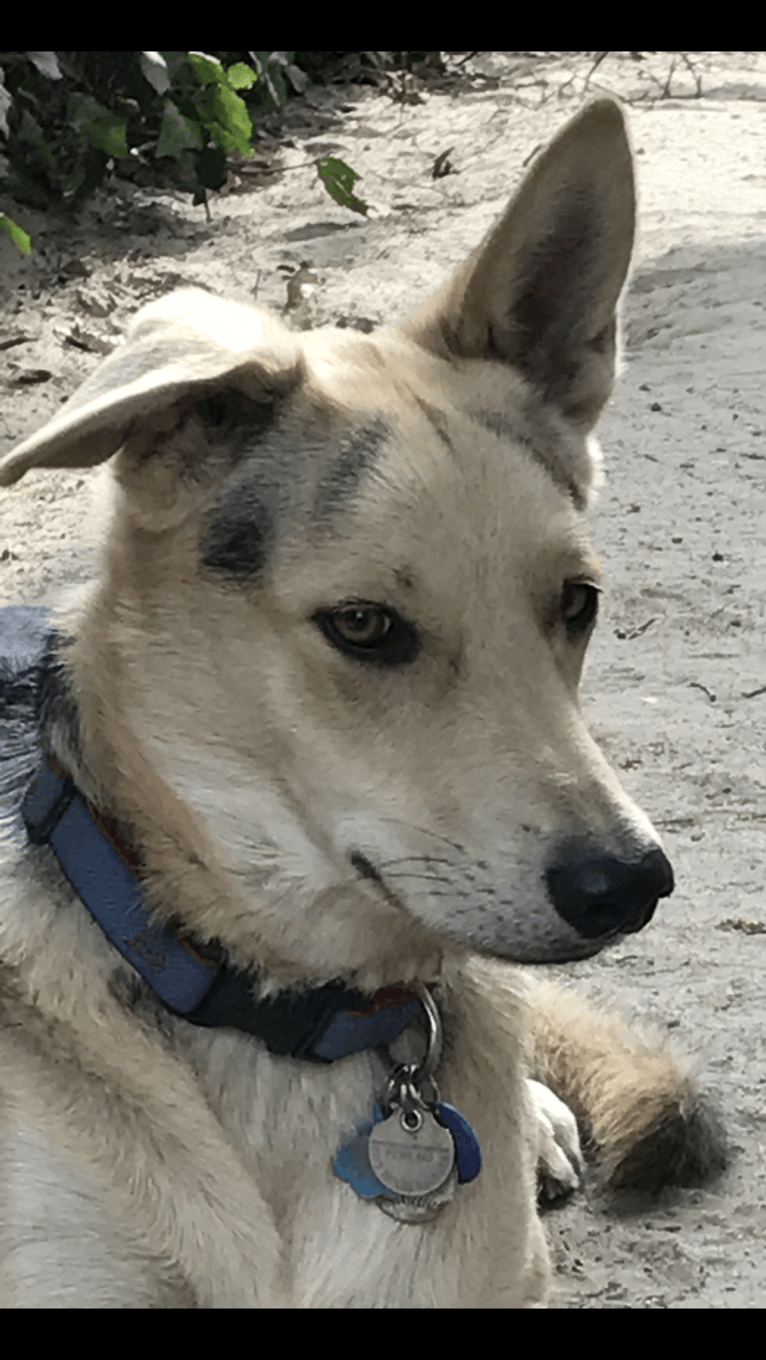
x=676, y=678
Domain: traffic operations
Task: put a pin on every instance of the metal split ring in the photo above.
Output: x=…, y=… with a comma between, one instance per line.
x=434, y=1036
x=403, y=1087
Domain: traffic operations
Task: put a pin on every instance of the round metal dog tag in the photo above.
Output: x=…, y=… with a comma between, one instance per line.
x=423, y=1209
x=410, y=1153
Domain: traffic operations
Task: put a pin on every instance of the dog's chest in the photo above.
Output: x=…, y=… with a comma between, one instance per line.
x=286, y=1117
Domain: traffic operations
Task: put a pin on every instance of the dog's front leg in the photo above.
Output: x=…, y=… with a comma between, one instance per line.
x=560, y=1160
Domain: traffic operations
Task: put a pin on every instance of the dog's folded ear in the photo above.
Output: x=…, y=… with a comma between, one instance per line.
x=186, y=344
x=541, y=291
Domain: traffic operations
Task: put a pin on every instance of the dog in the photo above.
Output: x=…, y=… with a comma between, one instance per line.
x=297, y=787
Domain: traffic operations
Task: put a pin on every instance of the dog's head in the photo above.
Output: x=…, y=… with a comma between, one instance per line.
x=348, y=592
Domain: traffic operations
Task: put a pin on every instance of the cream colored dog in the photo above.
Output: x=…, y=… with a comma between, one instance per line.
x=320, y=708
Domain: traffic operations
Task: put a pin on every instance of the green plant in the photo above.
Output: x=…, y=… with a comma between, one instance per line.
x=17, y=234
x=69, y=118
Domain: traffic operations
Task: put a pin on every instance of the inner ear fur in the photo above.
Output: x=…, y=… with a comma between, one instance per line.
x=541, y=291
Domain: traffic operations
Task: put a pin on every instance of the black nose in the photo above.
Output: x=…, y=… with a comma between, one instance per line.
x=599, y=895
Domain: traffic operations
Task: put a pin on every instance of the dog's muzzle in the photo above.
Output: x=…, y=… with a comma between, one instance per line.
x=601, y=896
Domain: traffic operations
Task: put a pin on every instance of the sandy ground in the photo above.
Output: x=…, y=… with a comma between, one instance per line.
x=676, y=679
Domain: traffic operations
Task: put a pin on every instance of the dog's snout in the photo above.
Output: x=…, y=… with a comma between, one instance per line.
x=601, y=895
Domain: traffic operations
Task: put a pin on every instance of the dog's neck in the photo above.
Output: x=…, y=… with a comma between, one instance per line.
x=191, y=979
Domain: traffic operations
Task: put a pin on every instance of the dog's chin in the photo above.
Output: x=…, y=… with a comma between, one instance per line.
x=564, y=951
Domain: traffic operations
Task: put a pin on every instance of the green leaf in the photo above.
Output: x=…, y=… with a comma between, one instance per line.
x=178, y=133
x=102, y=129
x=17, y=234
x=339, y=180
x=73, y=181
x=240, y=76
x=226, y=118
x=83, y=109
x=109, y=134
x=207, y=68
x=174, y=62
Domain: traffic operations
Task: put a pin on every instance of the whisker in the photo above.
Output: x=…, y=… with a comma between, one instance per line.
x=419, y=859
x=423, y=878
x=426, y=831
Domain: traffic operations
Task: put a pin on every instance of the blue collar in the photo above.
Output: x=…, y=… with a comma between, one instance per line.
x=193, y=981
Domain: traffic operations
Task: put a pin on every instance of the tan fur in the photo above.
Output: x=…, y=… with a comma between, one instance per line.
x=438, y=470
x=634, y=1097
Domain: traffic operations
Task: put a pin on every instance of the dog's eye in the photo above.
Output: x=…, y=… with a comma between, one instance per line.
x=579, y=605
x=369, y=632
x=365, y=627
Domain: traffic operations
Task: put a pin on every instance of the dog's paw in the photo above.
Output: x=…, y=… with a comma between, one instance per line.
x=560, y=1162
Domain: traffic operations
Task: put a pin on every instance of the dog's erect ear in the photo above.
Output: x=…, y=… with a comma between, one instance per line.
x=186, y=343
x=542, y=289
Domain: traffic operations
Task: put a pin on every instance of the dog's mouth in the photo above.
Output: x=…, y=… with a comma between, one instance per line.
x=366, y=869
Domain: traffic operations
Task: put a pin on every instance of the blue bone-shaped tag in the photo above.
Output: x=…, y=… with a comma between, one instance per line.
x=467, y=1148
x=352, y=1162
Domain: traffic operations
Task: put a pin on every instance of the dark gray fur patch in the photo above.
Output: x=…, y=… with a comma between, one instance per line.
x=438, y=422
x=56, y=705
x=36, y=700
x=238, y=529
x=234, y=419
x=359, y=453
x=236, y=536
x=287, y=463
x=498, y=424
